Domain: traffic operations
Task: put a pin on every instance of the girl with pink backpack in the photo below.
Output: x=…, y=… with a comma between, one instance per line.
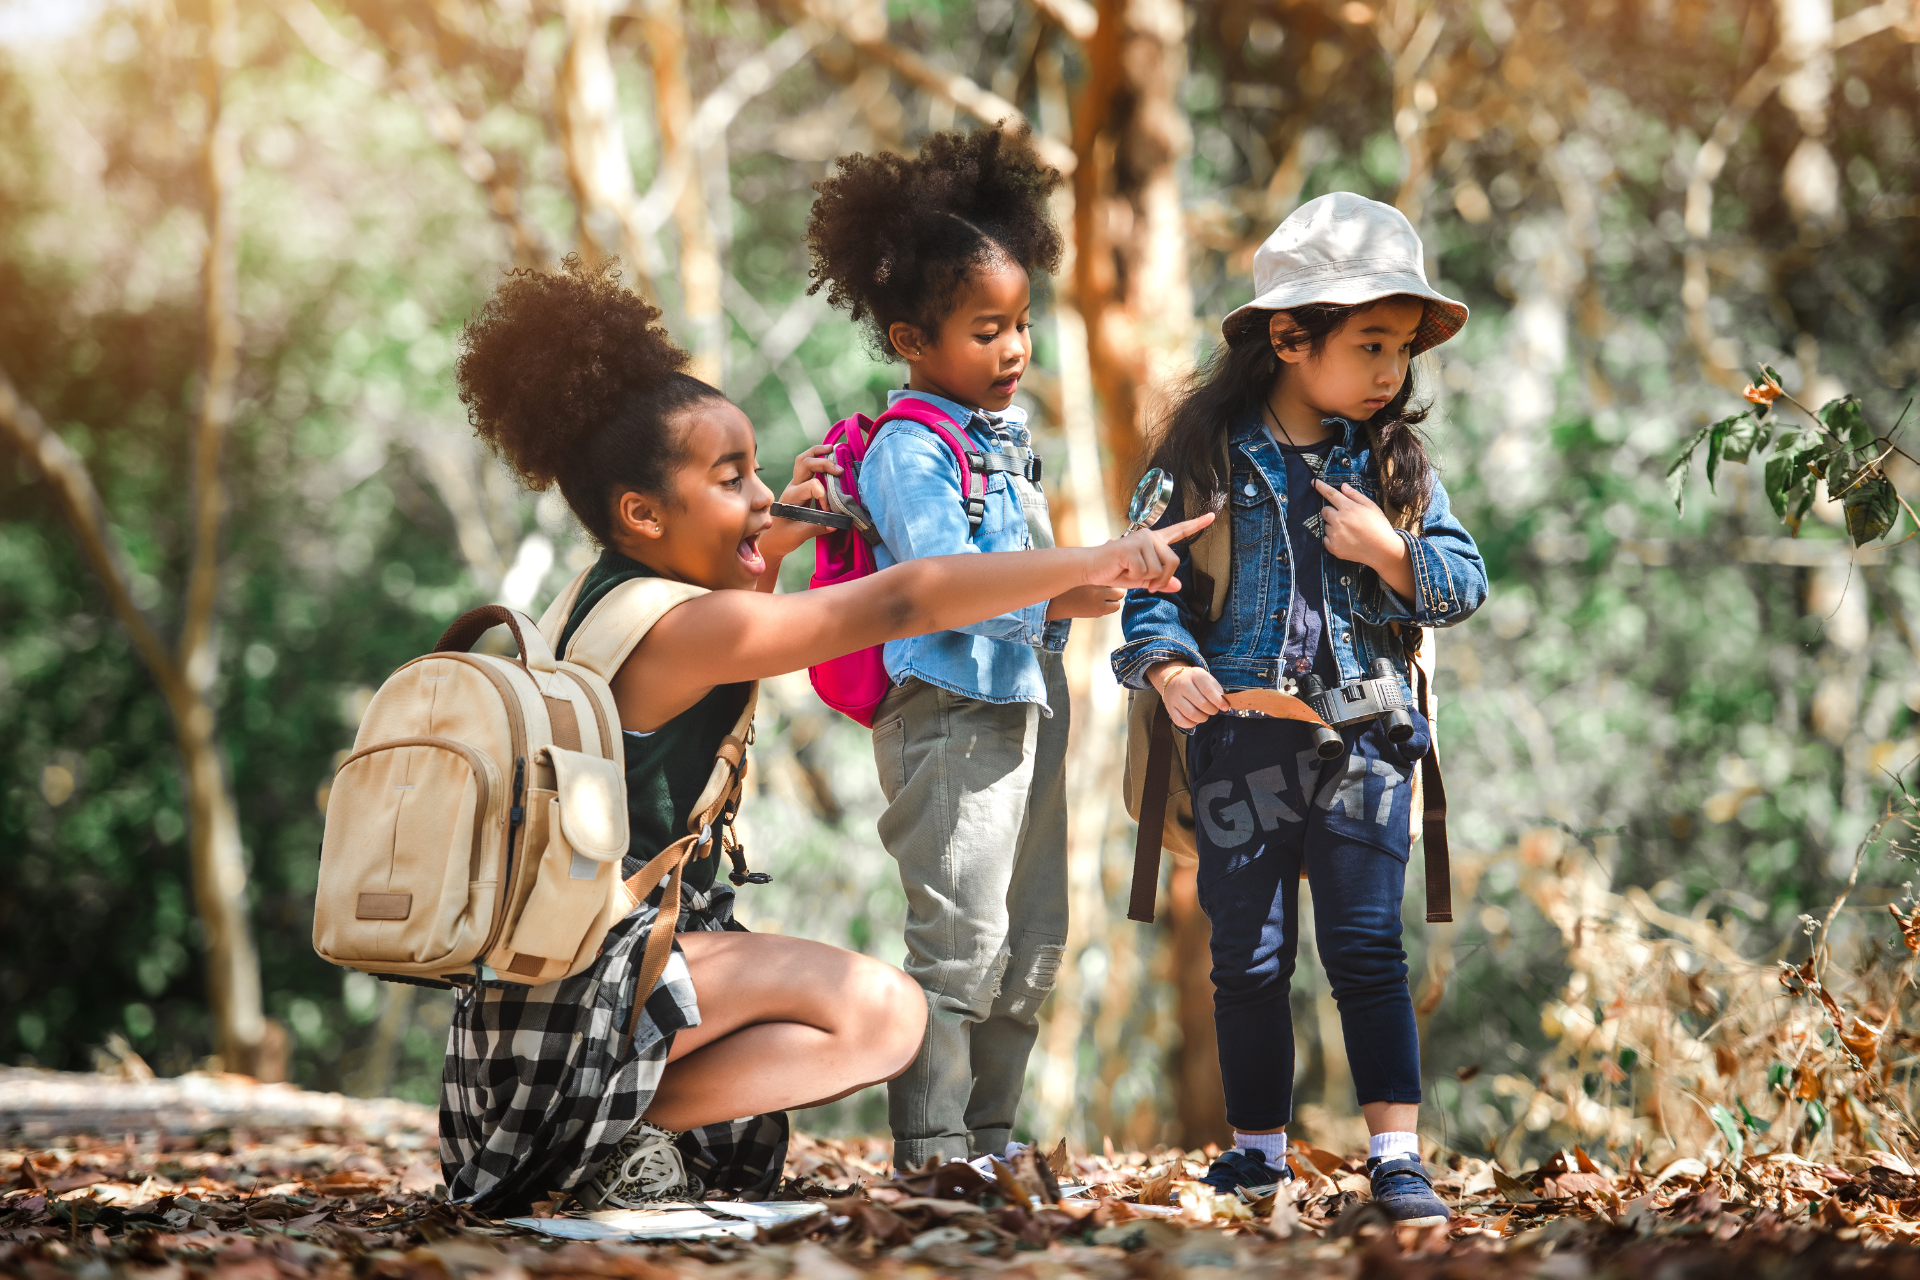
x=934, y=254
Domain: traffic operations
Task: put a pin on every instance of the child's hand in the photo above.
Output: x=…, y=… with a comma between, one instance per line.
x=1358, y=530
x=1190, y=693
x=1085, y=602
x=786, y=536
x=1144, y=559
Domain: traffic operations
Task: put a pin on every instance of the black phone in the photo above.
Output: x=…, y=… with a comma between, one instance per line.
x=812, y=515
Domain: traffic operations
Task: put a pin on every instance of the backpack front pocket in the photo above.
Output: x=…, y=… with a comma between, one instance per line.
x=585, y=822
x=406, y=853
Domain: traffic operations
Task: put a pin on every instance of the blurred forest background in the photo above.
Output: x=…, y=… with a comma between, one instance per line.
x=238, y=237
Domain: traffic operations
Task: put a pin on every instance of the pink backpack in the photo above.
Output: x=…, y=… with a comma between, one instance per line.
x=854, y=683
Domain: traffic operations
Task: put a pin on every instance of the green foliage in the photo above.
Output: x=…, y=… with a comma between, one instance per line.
x=1843, y=451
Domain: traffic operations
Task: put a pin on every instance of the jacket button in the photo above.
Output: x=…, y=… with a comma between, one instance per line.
x=1441, y=607
x=1345, y=581
x=1250, y=491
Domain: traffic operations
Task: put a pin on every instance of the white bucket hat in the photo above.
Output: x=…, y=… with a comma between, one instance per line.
x=1346, y=249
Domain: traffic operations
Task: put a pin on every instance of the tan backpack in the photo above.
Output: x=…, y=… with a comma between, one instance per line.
x=481, y=818
x=1164, y=809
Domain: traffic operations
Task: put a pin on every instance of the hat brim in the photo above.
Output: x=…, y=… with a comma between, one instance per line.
x=1444, y=317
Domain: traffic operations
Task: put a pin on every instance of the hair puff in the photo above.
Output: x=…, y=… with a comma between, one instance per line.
x=894, y=239
x=570, y=377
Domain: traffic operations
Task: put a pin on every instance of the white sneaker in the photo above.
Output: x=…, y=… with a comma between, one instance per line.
x=645, y=1168
x=984, y=1164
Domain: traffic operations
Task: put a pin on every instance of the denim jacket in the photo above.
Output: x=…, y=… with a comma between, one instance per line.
x=911, y=487
x=1242, y=649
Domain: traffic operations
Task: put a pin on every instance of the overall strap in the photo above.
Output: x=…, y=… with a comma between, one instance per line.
x=711, y=819
x=1153, y=816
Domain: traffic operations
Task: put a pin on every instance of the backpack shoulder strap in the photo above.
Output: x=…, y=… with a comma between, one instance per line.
x=973, y=486
x=1212, y=547
x=554, y=621
x=621, y=621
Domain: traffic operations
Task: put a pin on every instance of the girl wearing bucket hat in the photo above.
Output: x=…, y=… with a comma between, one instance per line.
x=1303, y=431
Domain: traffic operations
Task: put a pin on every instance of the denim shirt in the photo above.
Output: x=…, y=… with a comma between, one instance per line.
x=1242, y=649
x=911, y=486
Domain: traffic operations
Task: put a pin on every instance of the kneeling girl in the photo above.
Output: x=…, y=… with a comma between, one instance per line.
x=571, y=379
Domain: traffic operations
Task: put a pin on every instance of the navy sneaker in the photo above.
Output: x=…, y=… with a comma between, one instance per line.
x=1240, y=1167
x=1402, y=1188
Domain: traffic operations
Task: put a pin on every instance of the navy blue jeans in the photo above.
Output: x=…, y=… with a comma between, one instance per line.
x=1267, y=808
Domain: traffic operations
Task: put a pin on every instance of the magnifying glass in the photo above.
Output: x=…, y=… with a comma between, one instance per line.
x=1150, y=500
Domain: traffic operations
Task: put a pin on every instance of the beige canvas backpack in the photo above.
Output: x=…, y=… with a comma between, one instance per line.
x=1154, y=782
x=481, y=817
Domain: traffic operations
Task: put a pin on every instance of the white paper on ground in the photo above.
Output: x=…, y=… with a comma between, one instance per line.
x=767, y=1213
x=628, y=1224
x=673, y=1224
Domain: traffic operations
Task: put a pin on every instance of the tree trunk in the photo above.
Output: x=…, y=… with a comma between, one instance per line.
x=1130, y=273
x=213, y=828
x=1130, y=284
x=587, y=115
x=664, y=23
x=1200, y=1097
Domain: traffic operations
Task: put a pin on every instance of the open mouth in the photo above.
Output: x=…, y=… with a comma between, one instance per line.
x=749, y=553
x=1006, y=385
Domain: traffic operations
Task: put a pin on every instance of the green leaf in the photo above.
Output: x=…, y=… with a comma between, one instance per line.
x=1749, y=1120
x=1816, y=1117
x=1779, y=482
x=1845, y=419
x=1744, y=435
x=1677, y=473
x=1716, y=444
x=1628, y=1059
x=1871, y=506
x=1729, y=1129
x=1776, y=1075
x=1773, y=374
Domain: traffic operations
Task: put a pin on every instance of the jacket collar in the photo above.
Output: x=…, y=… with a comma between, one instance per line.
x=1353, y=436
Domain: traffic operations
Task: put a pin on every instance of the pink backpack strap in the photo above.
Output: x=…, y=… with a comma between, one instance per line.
x=973, y=483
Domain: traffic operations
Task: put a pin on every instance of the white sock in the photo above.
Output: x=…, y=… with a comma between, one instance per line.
x=1271, y=1145
x=1386, y=1146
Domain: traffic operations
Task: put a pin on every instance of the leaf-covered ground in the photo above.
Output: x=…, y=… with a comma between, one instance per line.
x=170, y=1199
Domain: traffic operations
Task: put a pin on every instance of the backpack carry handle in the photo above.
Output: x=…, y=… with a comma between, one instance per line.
x=535, y=653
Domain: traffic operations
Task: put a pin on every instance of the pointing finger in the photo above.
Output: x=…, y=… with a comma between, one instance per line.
x=1186, y=528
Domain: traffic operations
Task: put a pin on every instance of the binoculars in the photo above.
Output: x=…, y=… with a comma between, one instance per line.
x=1378, y=695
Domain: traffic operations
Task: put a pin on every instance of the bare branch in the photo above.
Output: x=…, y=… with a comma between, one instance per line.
x=498, y=174
x=717, y=111
x=74, y=492
x=775, y=341
x=981, y=103
x=1711, y=158
x=1076, y=17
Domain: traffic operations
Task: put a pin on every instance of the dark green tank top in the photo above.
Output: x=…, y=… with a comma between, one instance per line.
x=668, y=768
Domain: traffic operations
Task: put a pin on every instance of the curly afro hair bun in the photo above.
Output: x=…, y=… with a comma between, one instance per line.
x=894, y=239
x=570, y=377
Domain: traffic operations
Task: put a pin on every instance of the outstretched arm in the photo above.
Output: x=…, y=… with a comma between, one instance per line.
x=728, y=636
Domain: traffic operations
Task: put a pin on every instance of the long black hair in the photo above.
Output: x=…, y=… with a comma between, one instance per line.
x=1233, y=384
